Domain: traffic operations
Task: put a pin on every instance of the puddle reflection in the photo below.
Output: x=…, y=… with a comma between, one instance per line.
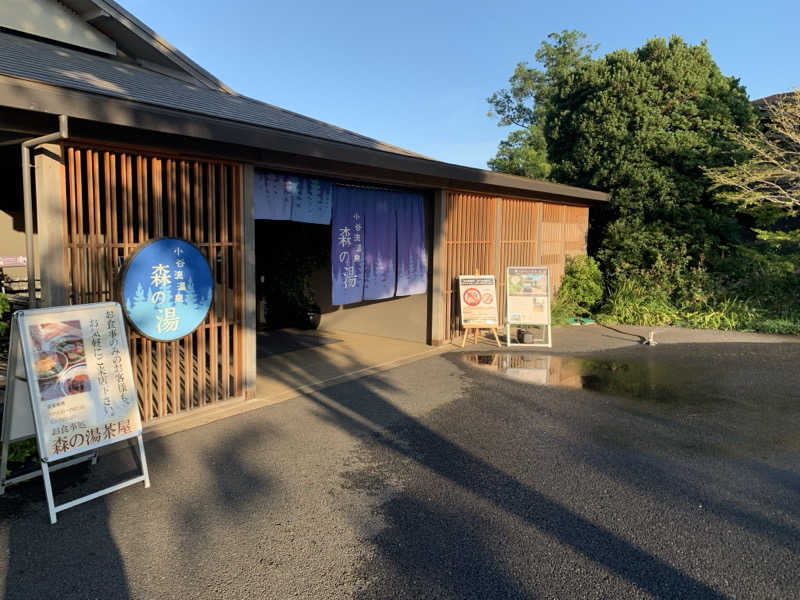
x=643, y=380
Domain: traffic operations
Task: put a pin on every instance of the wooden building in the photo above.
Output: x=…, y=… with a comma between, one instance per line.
x=143, y=143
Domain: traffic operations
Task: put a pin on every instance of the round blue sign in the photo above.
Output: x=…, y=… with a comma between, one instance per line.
x=167, y=289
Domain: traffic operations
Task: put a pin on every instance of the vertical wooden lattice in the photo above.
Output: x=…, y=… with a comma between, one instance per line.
x=117, y=200
x=490, y=234
x=519, y=233
x=553, y=243
x=576, y=229
x=564, y=230
x=469, y=246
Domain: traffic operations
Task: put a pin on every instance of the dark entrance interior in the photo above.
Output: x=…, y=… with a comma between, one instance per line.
x=287, y=254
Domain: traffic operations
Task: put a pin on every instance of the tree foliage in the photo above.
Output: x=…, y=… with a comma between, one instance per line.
x=523, y=152
x=525, y=102
x=767, y=184
x=640, y=124
x=677, y=145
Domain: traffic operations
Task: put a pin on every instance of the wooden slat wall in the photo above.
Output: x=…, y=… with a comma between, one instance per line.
x=489, y=234
x=118, y=199
x=576, y=230
x=519, y=228
x=553, y=216
x=469, y=246
x=564, y=230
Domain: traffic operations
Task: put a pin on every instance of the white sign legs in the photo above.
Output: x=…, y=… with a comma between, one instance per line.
x=144, y=477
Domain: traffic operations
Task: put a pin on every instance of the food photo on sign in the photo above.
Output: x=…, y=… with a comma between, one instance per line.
x=60, y=359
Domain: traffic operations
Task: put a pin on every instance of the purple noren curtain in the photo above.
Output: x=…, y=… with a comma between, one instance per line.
x=347, y=246
x=272, y=195
x=292, y=197
x=378, y=247
x=312, y=204
x=412, y=255
x=380, y=244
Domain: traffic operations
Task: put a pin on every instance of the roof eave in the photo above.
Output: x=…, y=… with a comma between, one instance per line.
x=34, y=96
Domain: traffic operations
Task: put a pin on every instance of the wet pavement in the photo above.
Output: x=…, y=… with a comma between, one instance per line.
x=670, y=471
x=649, y=376
x=638, y=472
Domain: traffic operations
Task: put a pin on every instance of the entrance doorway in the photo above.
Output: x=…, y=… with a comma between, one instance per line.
x=288, y=254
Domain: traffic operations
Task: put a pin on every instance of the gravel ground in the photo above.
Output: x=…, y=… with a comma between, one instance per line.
x=441, y=480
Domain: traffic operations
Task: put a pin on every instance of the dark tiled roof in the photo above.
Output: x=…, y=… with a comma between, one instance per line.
x=66, y=67
x=771, y=98
x=763, y=103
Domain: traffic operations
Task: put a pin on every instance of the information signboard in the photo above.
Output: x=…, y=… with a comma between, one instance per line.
x=80, y=387
x=528, y=300
x=478, y=297
x=167, y=288
x=13, y=261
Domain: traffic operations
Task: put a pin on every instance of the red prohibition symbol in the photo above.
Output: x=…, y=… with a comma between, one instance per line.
x=472, y=296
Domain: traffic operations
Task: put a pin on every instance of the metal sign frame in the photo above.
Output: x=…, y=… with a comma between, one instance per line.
x=19, y=352
x=546, y=341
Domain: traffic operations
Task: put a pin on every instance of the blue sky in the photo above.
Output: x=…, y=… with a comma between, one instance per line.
x=417, y=73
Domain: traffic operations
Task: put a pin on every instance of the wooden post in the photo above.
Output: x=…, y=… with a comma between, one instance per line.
x=50, y=199
x=249, y=250
x=438, y=289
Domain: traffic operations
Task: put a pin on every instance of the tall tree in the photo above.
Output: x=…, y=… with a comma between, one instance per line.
x=641, y=125
x=525, y=102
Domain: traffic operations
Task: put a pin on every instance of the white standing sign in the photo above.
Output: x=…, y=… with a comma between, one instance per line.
x=478, y=295
x=528, y=301
x=478, y=298
x=71, y=386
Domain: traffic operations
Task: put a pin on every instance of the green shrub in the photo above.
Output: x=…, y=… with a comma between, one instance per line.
x=581, y=289
x=778, y=326
x=637, y=302
x=750, y=289
x=640, y=302
x=5, y=313
x=768, y=277
x=730, y=313
x=20, y=452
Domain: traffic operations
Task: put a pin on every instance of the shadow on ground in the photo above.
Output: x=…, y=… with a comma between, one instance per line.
x=428, y=548
x=78, y=557
x=421, y=559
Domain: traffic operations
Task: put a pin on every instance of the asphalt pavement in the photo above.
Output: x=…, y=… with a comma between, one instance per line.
x=439, y=479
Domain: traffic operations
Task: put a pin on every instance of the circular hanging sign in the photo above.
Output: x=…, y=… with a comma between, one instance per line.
x=167, y=289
